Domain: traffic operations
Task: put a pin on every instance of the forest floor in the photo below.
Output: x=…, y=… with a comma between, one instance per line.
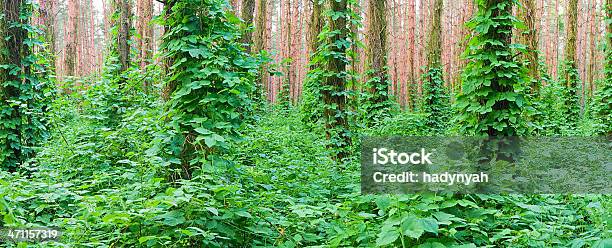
x=95, y=181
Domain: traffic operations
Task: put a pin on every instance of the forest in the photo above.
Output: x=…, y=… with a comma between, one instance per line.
x=240, y=123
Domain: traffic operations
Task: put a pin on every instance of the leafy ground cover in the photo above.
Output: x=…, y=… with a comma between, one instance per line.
x=278, y=187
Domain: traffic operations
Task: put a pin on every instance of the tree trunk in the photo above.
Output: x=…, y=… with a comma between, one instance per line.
x=145, y=29
x=166, y=61
x=377, y=40
x=316, y=26
x=47, y=17
x=434, y=44
x=123, y=35
x=260, y=41
x=608, y=15
x=335, y=116
x=12, y=53
x=570, y=48
x=411, y=53
x=592, y=51
x=71, y=38
x=248, y=8
x=529, y=38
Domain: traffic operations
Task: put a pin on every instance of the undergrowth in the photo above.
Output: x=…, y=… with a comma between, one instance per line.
x=277, y=188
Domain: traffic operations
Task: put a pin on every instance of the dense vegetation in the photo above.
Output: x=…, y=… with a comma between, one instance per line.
x=188, y=152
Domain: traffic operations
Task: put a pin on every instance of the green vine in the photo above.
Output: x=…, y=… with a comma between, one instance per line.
x=436, y=100
x=25, y=87
x=570, y=81
x=493, y=99
x=326, y=102
x=214, y=79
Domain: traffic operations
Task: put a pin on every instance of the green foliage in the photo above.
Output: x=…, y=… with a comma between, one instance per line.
x=436, y=100
x=99, y=187
x=549, y=110
x=570, y=80
x=602, y=107
x=319, y=108
x=102, y=178
x=493, y=99
x=371, y=109
x=212, y=77
x=602, y=104
x=25, y=92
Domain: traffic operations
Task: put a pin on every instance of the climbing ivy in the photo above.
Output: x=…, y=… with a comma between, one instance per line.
x=436, y=100
x=493, y=97
x=602, y=104
x=213, y=78
x=26, y=88
x=570, y=81
x=374, y=102
x=336, y=43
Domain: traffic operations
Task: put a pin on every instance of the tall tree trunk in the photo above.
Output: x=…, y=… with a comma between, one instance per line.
x=608, y=34
x=592, y=51
x=167, y=62
x=70, y=59
x=248, y=8
x=527, y=14
x=145, y=30
x=123, y=34
x=434, y=44
x=335, y=116
x=259, y=42
x=411, y=54
x=570, y=47
x=554, y=41
x=12, y=53
x=316, y=26
x=47, y=17
x=377, y=55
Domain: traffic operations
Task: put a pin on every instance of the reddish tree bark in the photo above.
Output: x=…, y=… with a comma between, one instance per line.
x=145, y=31
x=71, y=28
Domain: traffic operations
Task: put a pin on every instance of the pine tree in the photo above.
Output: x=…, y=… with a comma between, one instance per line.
x=529, y=37
x=377, y=54
x=436, y=96
x=334, y=90
x=23, y=85
x=569, y=75
x=493, y=100
x=212, y=78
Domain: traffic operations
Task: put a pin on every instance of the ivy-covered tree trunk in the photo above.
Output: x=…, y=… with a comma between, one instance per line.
x=377, y=55
x=259, y=41
x=212, y=80
x=123, y=34
x=47, y=18
x=10, y=138
x=167, y=61
x=316, y=26
x=333, y=92
x=493, y=98
x=529, y=38
x=436, y=99
x=570, y=72
x=21, y=110
x=603, y=101
x=248, y=9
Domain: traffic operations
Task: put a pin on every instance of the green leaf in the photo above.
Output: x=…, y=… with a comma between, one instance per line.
x=412, y=227
x=387, y=238
x=430, y=225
